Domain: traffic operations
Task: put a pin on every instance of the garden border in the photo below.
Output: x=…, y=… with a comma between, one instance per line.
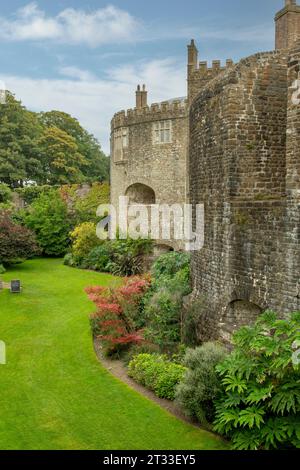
x=118, y=370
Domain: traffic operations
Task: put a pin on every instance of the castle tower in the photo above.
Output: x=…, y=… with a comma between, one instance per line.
x=287, y=23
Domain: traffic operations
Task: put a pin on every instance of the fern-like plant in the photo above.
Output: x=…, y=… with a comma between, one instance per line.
x=260, y=403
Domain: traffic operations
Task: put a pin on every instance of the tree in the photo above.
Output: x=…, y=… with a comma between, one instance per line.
x=96, y=167
x=17, y=243
x=5, y=193
x=19, y=154
x=60, y=157
x=46, y=148
x=48, y=218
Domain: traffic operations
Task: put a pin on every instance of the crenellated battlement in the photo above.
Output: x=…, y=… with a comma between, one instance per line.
x=157, y=111
x=216, y=67
x=199, y=73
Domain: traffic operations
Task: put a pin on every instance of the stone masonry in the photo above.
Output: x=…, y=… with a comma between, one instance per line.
x=287, y=25
x=241, y=125
x=143, y=168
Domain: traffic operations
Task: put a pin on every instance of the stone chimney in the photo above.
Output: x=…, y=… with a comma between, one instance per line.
x=287, y=23
x=192, y=57
x=141, y=97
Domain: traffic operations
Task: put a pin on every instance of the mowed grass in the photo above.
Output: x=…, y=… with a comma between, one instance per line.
x=54, y=392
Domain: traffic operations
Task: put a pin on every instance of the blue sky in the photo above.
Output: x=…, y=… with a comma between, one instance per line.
x=86, y=58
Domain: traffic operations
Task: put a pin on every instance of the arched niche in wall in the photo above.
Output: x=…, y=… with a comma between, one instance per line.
x=239, y=312
x=161, y=249
x=140, y=194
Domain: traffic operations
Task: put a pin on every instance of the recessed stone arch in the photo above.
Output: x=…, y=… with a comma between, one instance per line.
x=238, y=313
x=139, y=193
x=161, y=249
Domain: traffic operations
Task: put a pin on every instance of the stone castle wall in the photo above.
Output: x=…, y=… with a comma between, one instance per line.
x=144, y=165
x=244, y=157
x=242, y=124
x=201, y=74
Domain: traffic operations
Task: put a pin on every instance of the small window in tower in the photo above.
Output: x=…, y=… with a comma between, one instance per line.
x=125, y=137
x=120, y=143
x=167, y=133
x=163, y=132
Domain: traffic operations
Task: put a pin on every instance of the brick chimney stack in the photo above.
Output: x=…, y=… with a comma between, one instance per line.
x=141, y=97
x=287, y=23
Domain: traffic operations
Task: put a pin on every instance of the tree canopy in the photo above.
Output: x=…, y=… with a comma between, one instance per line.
x=46, y=148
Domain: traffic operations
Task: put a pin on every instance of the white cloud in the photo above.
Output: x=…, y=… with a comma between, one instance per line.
x=94, y=102
x=111, y=24
x=76, y=73
x=103, y=26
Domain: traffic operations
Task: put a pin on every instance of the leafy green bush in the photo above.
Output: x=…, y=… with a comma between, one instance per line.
x=2, y=269
x=5, y=193
x=84, y=239
x=98, y=259
x=170, y=263
x=48, y=218
x=260, y=403
x=201, y=384
x=6, y=196
x=86, y=207
x=156, y=373
x=69, y=260
x=82, y=207
x=192, y=315
x=30, y=193
x=143, y=348
x=162, y=304
x=127, y=256
x=162, y=314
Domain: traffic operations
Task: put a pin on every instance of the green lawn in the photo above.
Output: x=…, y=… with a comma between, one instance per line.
x=54, y=393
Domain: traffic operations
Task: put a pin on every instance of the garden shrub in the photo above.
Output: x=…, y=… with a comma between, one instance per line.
x=119, y=257
x=157, y=373
x=127, y=256
x=2, y=269
x=6, y=198
x=5, y=194
x=162, y=305
x=113, y=322
x=260, y=403
x=98, y=259
x=201, y=385
x=170, y=263
x=48, y=218
x=17, y=243
x=84, y=208
x=69, y=260
x=84, y=239
x=192, y=315
x=142, y=348
x=162, y=314
x=30, y=193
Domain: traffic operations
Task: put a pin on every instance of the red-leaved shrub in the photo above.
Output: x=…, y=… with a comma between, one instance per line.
x=114, y=320
x=17, y=243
